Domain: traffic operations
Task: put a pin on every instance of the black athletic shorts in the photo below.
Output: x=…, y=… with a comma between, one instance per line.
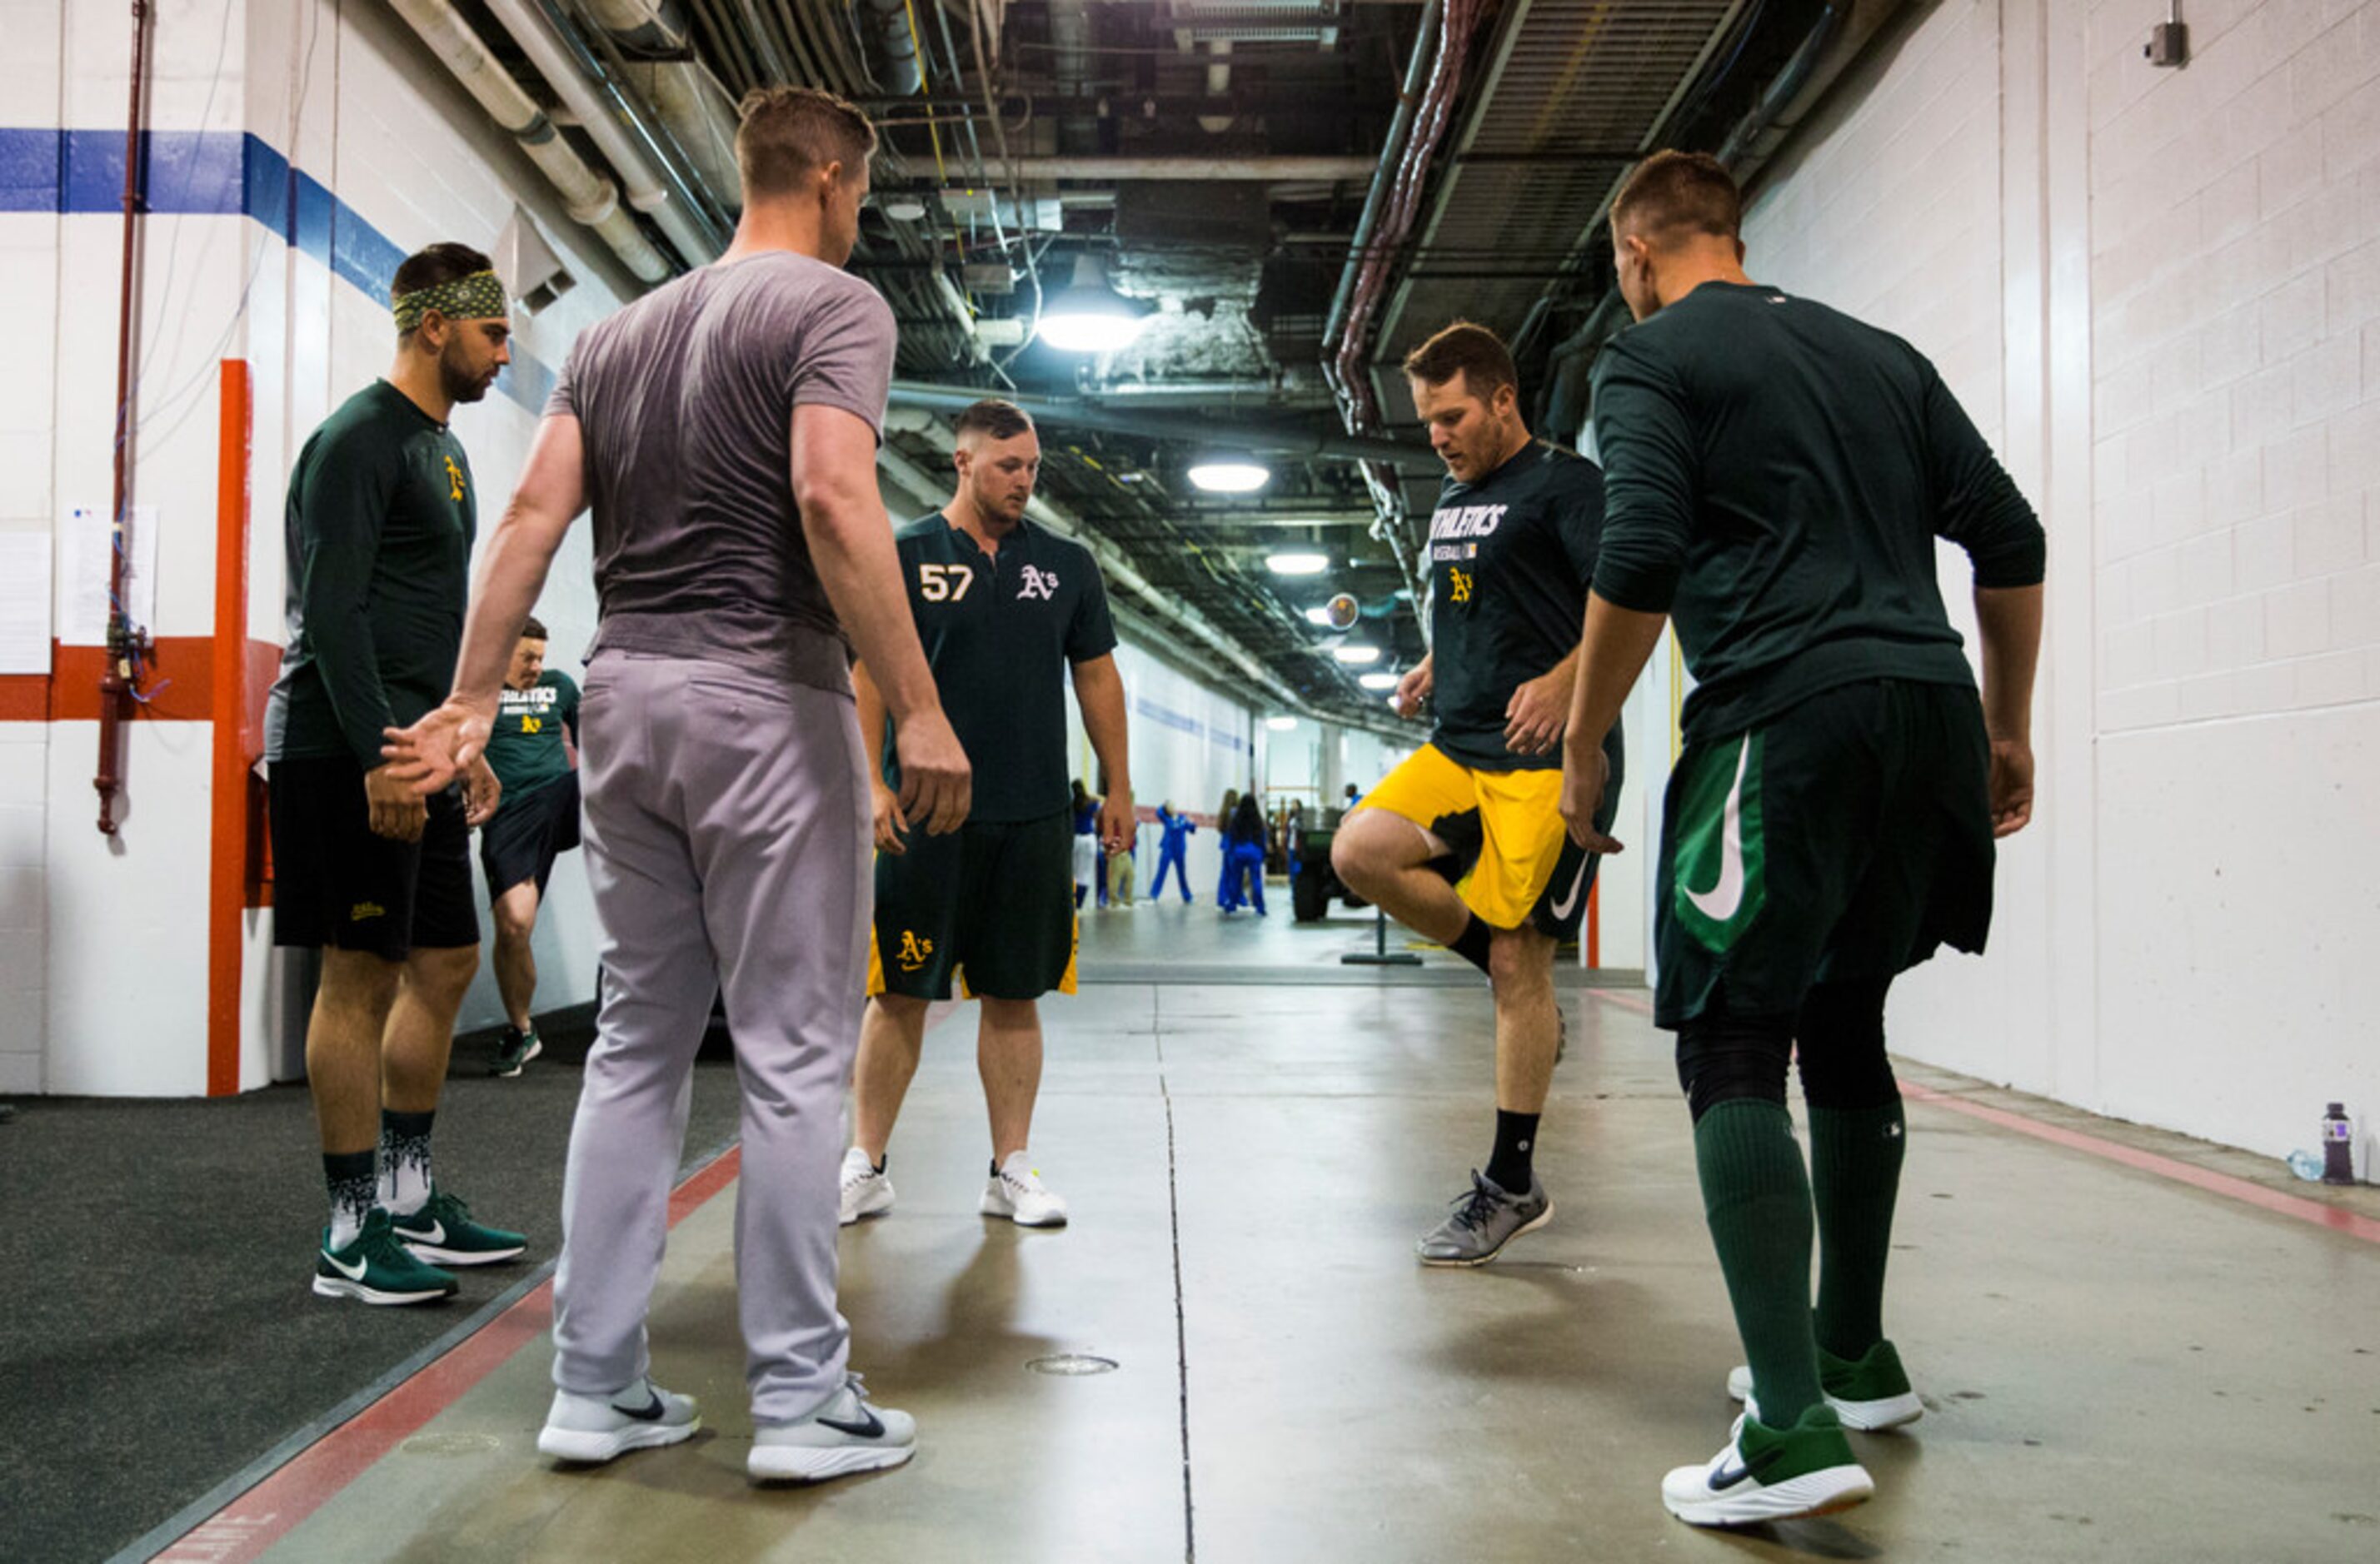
x=992, y=903
x=527, y=834
x=335, y=884
x=1845, y=838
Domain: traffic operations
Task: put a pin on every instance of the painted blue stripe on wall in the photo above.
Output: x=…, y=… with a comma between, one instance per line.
x=1165, y=716
x=221, y=173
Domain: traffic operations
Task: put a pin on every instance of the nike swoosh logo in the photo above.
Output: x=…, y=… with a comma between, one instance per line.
x=870, y=1427
x=1721, y=901
x=1569, y=903
x=1725, y=1477
x=354, y=1272
x=652, y=1413
x=436, y=1234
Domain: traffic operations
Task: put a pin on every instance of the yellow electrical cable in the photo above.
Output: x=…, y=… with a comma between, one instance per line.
x=917, y=46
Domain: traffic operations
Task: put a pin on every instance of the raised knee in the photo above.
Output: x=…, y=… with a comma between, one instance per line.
x=1519, y=956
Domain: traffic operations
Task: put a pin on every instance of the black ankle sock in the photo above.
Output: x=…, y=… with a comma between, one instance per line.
x=1516, y=1140
x=1472, y=943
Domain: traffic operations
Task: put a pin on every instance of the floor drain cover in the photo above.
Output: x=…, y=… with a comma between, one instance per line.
x=1072, y=1362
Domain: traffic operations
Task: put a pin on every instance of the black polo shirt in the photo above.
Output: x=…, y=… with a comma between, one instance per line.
x=1001, y=632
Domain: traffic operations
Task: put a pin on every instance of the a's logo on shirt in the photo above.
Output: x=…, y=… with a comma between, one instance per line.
x=364, y=912
x=454, y=477
x=1459, y=589
x=914, y=951
x=532, y=724
x=1038, y=583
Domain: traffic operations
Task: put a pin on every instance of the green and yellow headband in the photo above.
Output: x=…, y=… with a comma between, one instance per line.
x=479, y=296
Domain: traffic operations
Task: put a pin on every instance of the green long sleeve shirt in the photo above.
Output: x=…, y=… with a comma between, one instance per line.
x=1775, y=474
x=378, y=531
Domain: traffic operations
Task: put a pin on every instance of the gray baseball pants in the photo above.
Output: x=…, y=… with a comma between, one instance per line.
x=727, y=842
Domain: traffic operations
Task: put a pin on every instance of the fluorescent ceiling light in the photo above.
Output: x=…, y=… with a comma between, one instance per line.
x=1280, y=725
x=1088, y=316
x=1355, y=652
x=1292, y=563
x=1319, y=615
x=1379, y=681
x=1235, y=477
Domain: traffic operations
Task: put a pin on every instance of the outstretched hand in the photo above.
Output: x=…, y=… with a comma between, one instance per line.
x=431, y=754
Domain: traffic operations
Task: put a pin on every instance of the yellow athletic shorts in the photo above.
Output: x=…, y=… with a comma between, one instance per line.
x=1505, y=826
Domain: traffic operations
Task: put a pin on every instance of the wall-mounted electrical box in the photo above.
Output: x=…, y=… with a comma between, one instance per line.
x=2168, y=45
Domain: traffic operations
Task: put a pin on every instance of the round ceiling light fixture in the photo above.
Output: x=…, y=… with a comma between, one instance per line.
x=1357, y=652
x=1379, y=681
x=906, y=209
x=1300, y=563
x=1230, y=475
x=1280, y=725
x=1088, y=316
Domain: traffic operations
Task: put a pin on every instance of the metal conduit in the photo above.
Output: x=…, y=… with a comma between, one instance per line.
x=590, y=199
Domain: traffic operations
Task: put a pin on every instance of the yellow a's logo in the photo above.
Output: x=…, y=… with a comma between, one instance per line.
x=913, y=951
x=454, y=476
x=532, y=724
x=1462, y=589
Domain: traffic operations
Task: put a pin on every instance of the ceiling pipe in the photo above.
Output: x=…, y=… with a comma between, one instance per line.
x=1384, y=174
x=903, y=77
x=1272, y=438
x=607, y=124
x=1280, y=170
x=666, y=66
x=587, y=196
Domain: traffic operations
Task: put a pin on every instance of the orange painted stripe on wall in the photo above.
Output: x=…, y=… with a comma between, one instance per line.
x=233, y=815
x=178, y=679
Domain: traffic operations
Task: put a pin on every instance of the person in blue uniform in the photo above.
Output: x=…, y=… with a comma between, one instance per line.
x=1244, y=861
x=1178, y=830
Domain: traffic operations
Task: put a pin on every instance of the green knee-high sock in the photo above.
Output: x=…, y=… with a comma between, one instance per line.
x=1855, y=1175
x=1757, y=1197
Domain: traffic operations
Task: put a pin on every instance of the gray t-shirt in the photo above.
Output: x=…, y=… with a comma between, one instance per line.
x=685, y=401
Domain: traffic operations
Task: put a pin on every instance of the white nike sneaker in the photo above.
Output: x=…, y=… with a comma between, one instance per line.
x=866, y=1190
x=598, y=1428
x=1763, y=1474
x=1015, y=1191
x=845, y=1435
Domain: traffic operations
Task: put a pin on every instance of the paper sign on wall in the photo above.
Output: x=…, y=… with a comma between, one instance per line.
x=85, y=546
x=25, y=602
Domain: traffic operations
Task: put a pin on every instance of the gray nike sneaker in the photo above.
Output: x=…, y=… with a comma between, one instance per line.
x=593, y=1429
x=848, y=1433
x=1484, y=1222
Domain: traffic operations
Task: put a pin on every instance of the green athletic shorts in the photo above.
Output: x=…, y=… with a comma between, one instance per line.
x=991, y=903
x=1846, y=837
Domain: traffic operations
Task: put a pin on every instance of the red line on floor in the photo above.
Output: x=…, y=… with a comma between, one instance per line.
x=245, y=1528
x=2337, y=1219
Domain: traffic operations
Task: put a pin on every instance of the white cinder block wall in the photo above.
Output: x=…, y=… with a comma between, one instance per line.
x=2158, y=291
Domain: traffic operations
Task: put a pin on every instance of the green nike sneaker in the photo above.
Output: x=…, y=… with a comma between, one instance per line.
x=443, y=1232
x=515, y=1050
x=376, y=1268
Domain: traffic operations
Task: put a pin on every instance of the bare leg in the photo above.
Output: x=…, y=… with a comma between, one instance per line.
x=420, y=1031
x=1008, y=1056
x=516, y=964
x=343, y=1045
x=1380, y=856
x=1521, y=962
x=891, y=1038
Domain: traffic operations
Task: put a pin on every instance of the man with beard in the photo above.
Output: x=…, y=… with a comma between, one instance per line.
x=1002, y=607
x=380, y=522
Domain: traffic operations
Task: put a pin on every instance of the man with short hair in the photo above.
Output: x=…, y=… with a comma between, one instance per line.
x=1778, y=475
x=724, y=428
x=377, y=877
x=1464, y=843
x=533, y=752
x=1006, y=611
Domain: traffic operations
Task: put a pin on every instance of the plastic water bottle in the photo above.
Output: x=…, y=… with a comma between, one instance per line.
x=2306, y=1165
x=2337, y=1146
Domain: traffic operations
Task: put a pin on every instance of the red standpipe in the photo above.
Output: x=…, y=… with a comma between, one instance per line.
x=123, y=640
